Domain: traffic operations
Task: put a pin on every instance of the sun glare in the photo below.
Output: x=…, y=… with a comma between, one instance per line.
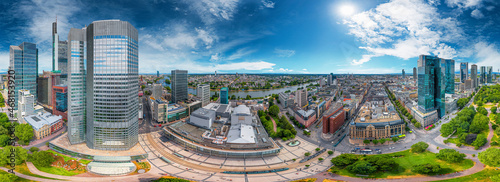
x=346, y=10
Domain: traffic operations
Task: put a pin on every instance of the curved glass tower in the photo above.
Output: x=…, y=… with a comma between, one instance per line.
x=111, y=84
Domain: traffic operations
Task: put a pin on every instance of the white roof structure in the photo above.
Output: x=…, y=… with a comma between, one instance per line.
x=242, y=110
x=241, y=133
x=38, y=121
x=241, y=115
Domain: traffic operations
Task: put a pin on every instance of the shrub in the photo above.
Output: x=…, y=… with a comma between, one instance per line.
x=419, y=147
x=362, y=167
x=317, y=149
x=344, y=160
x=34, y=149
x=427, y=168
x=321, y=159
x=490, y=157
x=366, y=141
x=307, y=154
x=450, y=155
x=330, y=152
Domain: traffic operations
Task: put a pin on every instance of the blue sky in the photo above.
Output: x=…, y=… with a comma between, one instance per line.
x=268, y=36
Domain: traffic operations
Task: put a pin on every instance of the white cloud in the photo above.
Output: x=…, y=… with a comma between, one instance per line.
x=257, y=65
x=4, y=60
x=284, y=52
x=476, y=14
x=463, y=3
x=285, y=70
x=404, y=29
x=304, y=69
x=490, y=8
x=487, y=54
x=211, y=11
x=357, y=70
x=268, y=3
x=240, y=53
x=215, y=57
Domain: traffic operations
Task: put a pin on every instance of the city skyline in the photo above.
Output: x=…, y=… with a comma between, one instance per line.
x=262, y=36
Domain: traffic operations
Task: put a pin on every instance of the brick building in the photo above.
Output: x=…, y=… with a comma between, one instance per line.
x=334, y=119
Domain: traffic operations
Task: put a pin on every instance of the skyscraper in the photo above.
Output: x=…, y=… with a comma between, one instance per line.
x=24, y=61
x=435, y=78
x=203, y=92
x=157, y=73
x=415, y=74
x=473, y=75
x=464, y=71
x=301, y=96
x=489, y=74
x=403, y=74
x=26, y=104
x=59, y=54
x=329, y=79
x=103, y=77
x=224, y=95
x=179, y=85
x=482, y=76
x=157, y=91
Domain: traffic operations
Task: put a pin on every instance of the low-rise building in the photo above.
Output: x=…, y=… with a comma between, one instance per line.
x=376, y=123
x=164, y=112
x=334, y=118
x=306, y=118
x=203, y=118
x=44, y=124
x=425, y=119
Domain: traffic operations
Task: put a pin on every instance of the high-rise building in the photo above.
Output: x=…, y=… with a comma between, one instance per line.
x=157, y=91
x=224, y=95
x=24, y=61
x=59, y=55
x=464, y=71
x=179, y=85
x=403, y=74
x=473, y=75
x=301, y=96
x=26, y=104
x=415, y=74
x=157, y=73
x=103, y=77
x=482, y=76
x=489, y=74
x=45, y=84
x=60, y=100
x=203, y=92
x=329, y=79
x=434, y=75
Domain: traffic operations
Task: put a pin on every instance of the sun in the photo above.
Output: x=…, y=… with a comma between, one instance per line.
x=346, y=10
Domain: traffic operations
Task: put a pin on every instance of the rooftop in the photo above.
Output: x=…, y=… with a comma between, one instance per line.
x=38, y=121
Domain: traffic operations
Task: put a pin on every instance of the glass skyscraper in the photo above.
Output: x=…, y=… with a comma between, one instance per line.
x=489, y=74
x=473, y=75
x=103, y=85
x=24, y=61
x=464, y=71
x=59, y=54
x=224, y=95
x=179, y=85
x=482, y=76
x=435, y=79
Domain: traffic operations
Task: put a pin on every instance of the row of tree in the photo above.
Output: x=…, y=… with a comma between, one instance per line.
x=23, y=132
x=487, y=94
x=284, y=129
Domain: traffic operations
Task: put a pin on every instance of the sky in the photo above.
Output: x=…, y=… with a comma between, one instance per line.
x=270, y=36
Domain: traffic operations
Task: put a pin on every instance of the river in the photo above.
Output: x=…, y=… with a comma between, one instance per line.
x=253, y=94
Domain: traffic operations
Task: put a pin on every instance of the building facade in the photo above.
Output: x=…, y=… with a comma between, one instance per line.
x=157, y=90
x=489, y=74
x=44, y=124
x=26, y=104
x=103, y=85
x=301, y=96
x=403, y=74
x=482, y=76
x=334, y=120
x=24, y=61
x=203, y=92
x=224, y=95
x=59, y=54
x=179, y=85
x=415, y=74
x=60, y=100
x=473, y=76
x=464, y=71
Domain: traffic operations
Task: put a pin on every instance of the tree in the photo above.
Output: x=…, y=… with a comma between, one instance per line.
x=482, y=111
x=307, y=154
x=427, y=168
x=317, y=149
x=382, y=141
x=493, y=109
x=418, y=125
x=34, y=149
x=479, y=142
x=330, y=152
x=42, y=159
x=20, y=155
x=490, y=157
x=320, y=159
x=171, y=180
x=274, y=110
x=375, y=142
x=447, y=129
x=395, y=139
x=497, y=131
x=383, y=163
x=143, y=86
x=8, y=177
x=4, y=140
x=344, y=160
x=366, y=141
x=314, y=97
x=419, y=147
x=450, y=155
x=362, y=167
x=167, y=81
x=24, y=132
x=3, y=130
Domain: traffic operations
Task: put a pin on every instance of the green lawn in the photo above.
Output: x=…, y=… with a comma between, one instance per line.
x=409, y=159
x=483, y=176
x=67, y=158
x=19, y=179
x=23, y=169
x=57, y=170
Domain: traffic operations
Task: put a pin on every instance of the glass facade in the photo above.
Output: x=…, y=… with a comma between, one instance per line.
x=435, y=79
x=24, y=61
x=489, y=76
x=464, y=71
x=482, y=76
x=224, y=95
x=179, y=85
x=76, y=86
x=61, y=101
x=473, y=75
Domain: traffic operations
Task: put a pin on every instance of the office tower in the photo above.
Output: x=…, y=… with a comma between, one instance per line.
x=301, y=96
x=179, y=85
x=157, y=73
x=403, y=74
x=59, y=54
x=203, y=92
x=415, y=74
x=464, y=71
x=26, y=104
x=45, y=84
x=215, y=73
x=489, y=72
x=435, y=78
x=224, y=95
x=157, y=91
x=60, y=100
x=473, y=75
x=329, y=79
x=449, y=75
x=482, y=76
x=24, y=61
x=103, y=111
